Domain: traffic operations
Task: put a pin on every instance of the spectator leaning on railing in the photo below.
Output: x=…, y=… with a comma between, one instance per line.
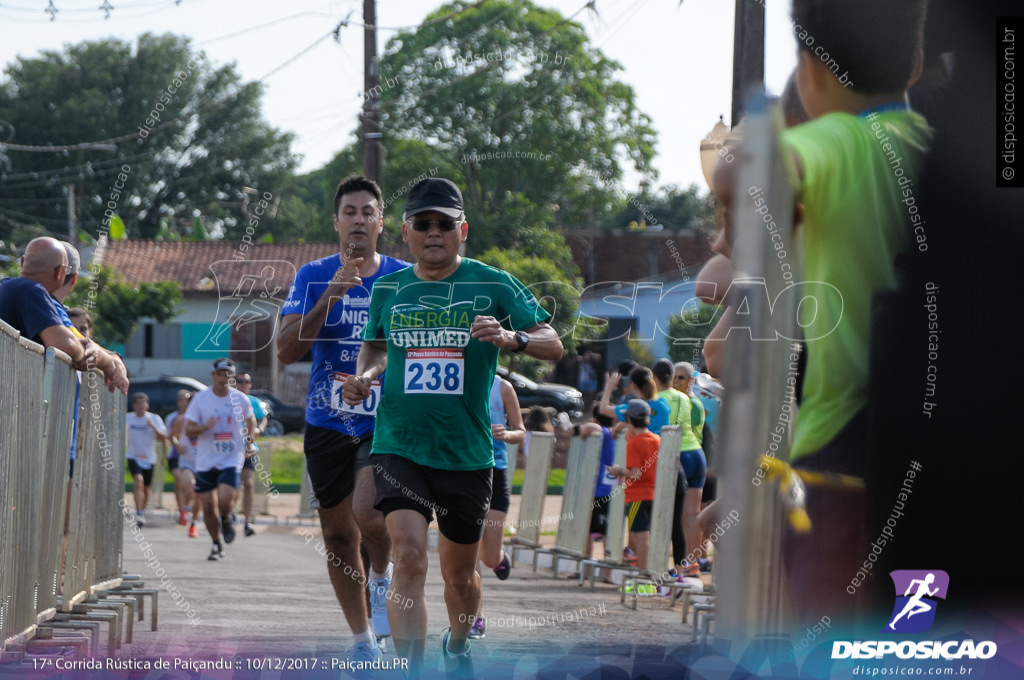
x=27, y=303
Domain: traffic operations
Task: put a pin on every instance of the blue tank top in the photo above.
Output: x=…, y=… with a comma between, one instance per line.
x=498, y=418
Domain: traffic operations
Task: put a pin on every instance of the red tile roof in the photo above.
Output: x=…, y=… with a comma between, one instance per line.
x=188, y=262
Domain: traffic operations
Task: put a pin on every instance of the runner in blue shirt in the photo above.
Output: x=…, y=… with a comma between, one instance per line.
x=325, y=312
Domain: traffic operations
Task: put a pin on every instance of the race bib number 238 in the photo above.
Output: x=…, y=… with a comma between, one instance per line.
x=434, y=371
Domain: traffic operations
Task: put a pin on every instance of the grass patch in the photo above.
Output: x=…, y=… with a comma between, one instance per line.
x=285, y=464
x=286, y=468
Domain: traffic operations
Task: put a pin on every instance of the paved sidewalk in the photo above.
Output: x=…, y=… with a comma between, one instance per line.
x=270, y=596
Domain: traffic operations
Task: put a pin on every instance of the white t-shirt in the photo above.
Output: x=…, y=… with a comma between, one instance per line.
x=223, y=446
x=142, y=438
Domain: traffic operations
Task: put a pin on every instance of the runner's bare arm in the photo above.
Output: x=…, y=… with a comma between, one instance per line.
x=298, y=332
x=515, y=433
x=194, y=429
x=251, y=430
x=373, y=359
x=544, y=342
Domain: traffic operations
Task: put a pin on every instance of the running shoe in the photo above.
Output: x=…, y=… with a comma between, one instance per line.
x=478, y=631
x=691, y=570
x=504, y=568
x=456, y=665
x=183, y=517
x=630, y=558
x=364, y=654
x=705, y=565
x=379, y=606
x=228, y=529
x=140, y=518
x=250, y=530
x=215, y=553
x=192, y=531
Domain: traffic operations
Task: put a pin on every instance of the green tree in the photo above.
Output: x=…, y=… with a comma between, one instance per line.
x=669, y=207
x=405, y=160
x=117, y=307
x=189, y=135
x=690, y=328
x=527, y=108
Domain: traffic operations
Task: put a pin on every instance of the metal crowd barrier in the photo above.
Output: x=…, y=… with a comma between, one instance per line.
x=535, y=489
x=748, y=563
x=60, y=383
x=23, y=373
x=36, y=424
x=577, y=500
x=664, y=498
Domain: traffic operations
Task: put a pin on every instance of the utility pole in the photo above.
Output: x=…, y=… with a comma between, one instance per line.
x=373, y=149
x=747, y=53
x=72, y=216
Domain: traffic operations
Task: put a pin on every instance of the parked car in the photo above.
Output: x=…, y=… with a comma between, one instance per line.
x=163, y=393
x=562, y=398
x=286, y=418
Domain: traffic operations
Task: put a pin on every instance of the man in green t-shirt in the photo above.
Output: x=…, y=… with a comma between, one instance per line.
x=438, y=328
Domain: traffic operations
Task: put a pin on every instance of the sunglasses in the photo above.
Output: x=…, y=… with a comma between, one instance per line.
x=681, y=377
x=425, y=225
x=243, y=381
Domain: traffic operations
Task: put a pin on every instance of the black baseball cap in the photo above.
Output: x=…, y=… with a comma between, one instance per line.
x=434, y=194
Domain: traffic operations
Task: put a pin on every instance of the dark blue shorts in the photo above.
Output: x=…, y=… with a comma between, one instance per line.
x=211, y=479
x=695, y=466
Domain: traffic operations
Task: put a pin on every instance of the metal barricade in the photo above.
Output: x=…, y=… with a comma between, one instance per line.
x=60, y=384
x=95, y=536
x=10, y=446
x=535, y=489
x=577, y=499
x=664, y=498
x=615, y=539
x=748, y=564
x=37, y=409
x=108, y=444
x=26, y=477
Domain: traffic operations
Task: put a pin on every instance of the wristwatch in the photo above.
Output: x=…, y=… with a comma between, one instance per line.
x=523, y=338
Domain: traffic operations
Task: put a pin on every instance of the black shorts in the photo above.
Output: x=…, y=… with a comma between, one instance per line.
x=599, y=515
x=639, y=514
x=501, y=490
x=460, y=497
x=136, y=469
x=211, y=479
x=172, y=464
x=332, y=461
x=249, y=463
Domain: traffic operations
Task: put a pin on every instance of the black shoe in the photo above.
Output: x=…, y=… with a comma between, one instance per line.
x=504, y=569
x=215, y=554
x=249, y=530
x=227, y=529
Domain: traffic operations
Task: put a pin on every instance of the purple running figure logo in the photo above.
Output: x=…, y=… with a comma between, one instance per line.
x=916, y=594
